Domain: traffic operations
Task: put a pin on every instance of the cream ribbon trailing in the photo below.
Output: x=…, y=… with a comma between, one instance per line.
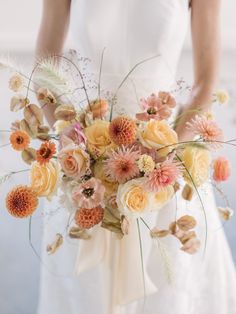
x=121, y=259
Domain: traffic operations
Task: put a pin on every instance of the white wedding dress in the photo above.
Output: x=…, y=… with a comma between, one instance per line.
x=104, y=275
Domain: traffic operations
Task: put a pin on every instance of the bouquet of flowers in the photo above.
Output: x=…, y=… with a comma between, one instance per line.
x=110, y=170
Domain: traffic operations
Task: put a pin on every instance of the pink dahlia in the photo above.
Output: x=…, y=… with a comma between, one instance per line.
x=121, y=164
x=166, y=173
x=89, y=194
x=208, y=130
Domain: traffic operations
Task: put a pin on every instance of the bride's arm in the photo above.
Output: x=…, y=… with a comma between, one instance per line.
x=206, y=51
x=52, y=34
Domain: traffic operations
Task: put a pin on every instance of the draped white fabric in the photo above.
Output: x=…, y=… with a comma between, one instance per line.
x=108, y=272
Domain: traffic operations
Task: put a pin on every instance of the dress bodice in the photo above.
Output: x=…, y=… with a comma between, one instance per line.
x=131, y=31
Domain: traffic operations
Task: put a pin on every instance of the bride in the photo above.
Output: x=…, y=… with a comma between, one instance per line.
x=131, y=31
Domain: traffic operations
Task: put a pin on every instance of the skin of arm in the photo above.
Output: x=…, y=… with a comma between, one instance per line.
x=52, y=35
x=205, y=22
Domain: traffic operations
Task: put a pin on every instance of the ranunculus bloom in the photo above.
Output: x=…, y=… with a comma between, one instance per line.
x=89, y=194
x=75, y=133
x=197, y=161
x=74, y=161
x=98, y=108
x=222, y=169
x=44, y=179
x=158, y=134
x=98, y=139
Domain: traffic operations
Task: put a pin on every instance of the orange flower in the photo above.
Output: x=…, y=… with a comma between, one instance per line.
x=45, y=152
x=22, y=201
x=19, y=140
x=122, y=131
x=88, y=218
x=222, y=169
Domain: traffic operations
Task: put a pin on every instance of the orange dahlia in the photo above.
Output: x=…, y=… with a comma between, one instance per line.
x=88, y=218
x=45, y=152
x=122, y=131
x=22, y=201
x=19, y=140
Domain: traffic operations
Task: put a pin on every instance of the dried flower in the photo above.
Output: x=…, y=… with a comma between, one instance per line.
x=21, y=202
x=146, y=164
x=45, y=96
x=18, y=102
x=121, y=165
x=207, y=129
x=16, y=82
x=52, y=248
x=45, y=153
x=222, y=169
x=19, y=140
x=186, y=223
x=122, y=130
x=88, y=218
x=89, y=194
x=165, y=174
x=191, y=246
x=225, y=212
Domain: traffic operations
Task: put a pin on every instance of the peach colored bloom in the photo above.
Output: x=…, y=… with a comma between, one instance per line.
x=98, y=108
x=157, y=107
x=88, y=218
x=74, y=161
x=166, y=173
x=208, y=130
x=222, y=169
x=45, y=153
x=122, y=130
x=19, y=140
x=22, y=201
x=121, y=165
x=89, y=194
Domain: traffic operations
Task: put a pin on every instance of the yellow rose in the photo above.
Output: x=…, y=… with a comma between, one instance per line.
x=197, y=161
x=222, y=97
x=157, y=134
x=163, y=196
x=98, y=139
x=99, y=173
x=133, y=199
x=44, y=178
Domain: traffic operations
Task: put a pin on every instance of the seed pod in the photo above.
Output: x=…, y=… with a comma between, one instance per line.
x=186, y=223
x=77, y=233
x=43, y=129
x=31, y=130
x=33, y=115
x=187, y=193
x=52, y=248
x=65, y=112
x=155, y=233
x=28, y=155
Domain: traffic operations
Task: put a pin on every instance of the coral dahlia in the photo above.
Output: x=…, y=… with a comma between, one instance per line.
x=22, y=201
x=122, y=130
x=19, y=140
x=88, y=218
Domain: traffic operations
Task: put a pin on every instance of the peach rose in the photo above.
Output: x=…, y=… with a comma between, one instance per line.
x=44, y=179
x=222, y=169
x=74, y=161
x=98, y=139
x=157, y=134
x=197, y=161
